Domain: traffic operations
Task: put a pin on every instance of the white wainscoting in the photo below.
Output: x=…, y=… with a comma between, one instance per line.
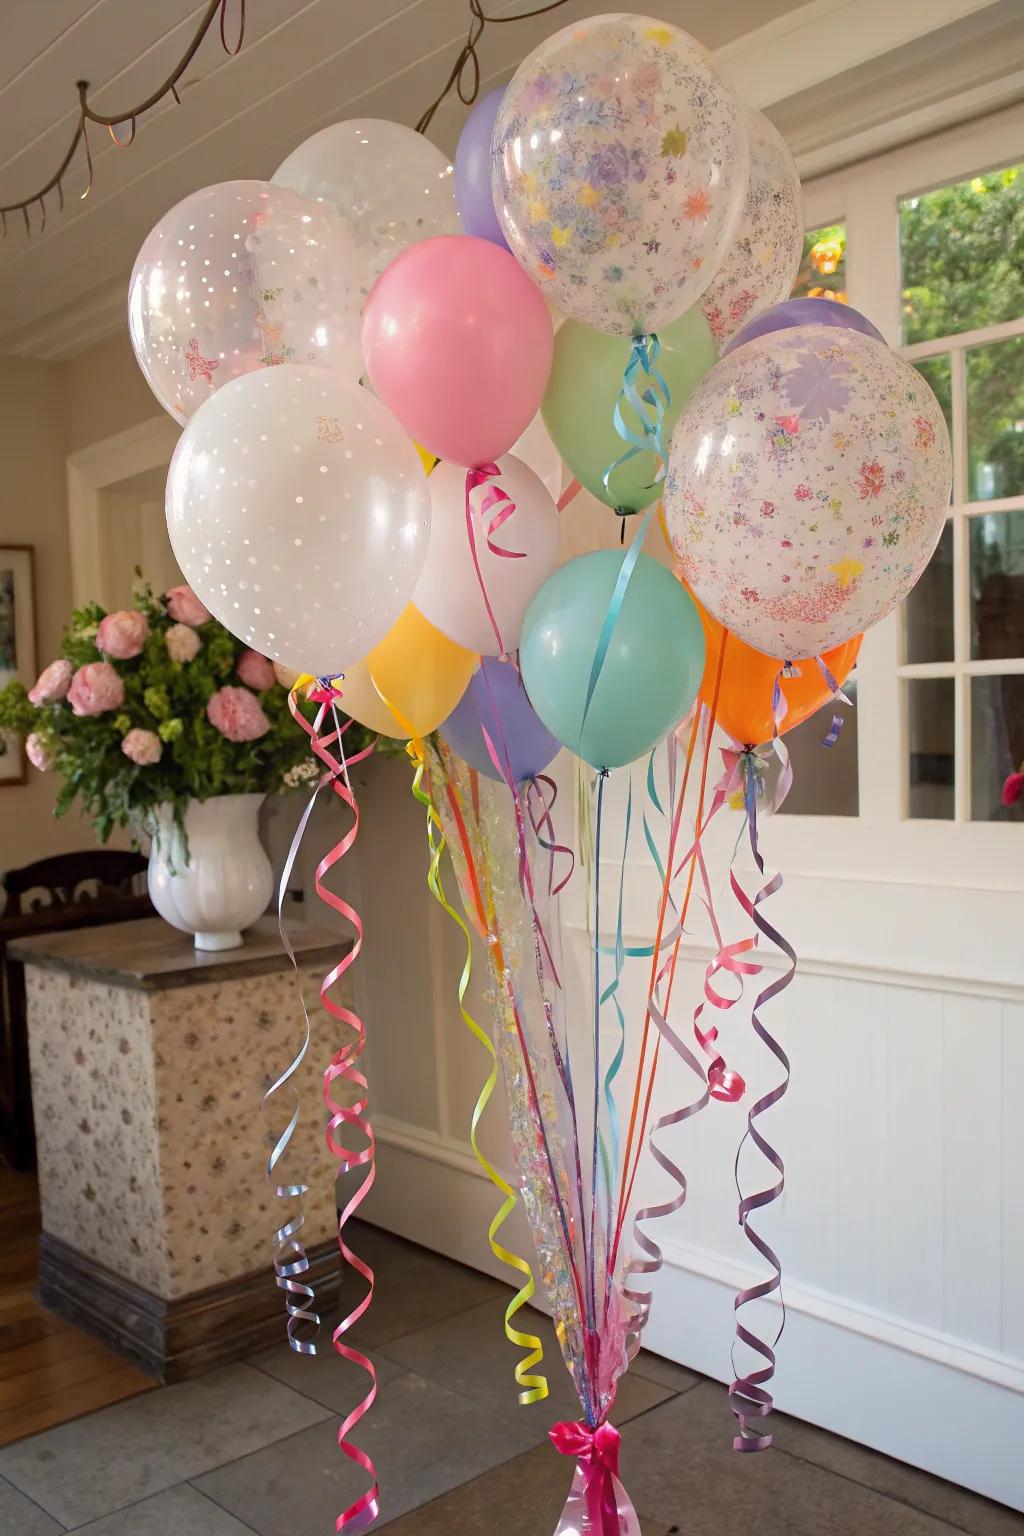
x=901, y=1229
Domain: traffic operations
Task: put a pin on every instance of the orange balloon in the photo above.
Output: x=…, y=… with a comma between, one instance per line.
x=744, y=708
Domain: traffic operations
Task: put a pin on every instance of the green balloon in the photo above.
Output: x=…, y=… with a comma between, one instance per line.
x=586, y=378
x=651, y=671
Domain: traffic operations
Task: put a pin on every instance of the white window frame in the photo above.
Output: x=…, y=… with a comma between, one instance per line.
x=882, y=841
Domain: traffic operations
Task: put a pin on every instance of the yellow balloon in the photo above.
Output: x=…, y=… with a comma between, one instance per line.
x=410, y=682
x=427, y=459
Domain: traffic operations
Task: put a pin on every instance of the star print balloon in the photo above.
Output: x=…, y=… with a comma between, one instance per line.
x=763, y=259
x=620, y=164
x=808, y=484
x=242, y=276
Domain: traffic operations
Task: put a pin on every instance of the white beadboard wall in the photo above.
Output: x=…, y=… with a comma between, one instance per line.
x=902, y=1225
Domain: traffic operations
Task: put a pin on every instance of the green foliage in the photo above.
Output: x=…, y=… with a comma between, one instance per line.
x=167, y=698
x=810, y=277
x=963, y=268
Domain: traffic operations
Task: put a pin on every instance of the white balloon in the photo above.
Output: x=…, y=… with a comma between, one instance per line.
x=240, y=276
x=392, y=184
x=299, y=513
x=449, y=593
x=536, y=450
x=763, y=259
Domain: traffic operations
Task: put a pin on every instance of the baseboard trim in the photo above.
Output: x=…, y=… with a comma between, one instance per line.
x=925, y=1398
x=173, y=1340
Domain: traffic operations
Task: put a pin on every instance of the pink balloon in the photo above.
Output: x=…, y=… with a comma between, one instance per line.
x=458, y=343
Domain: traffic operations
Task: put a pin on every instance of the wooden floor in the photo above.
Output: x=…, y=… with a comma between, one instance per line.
x=49, y=1371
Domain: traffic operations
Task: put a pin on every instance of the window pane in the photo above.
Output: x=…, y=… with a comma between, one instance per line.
x=822, y=272
x=825, y=778
x=929, y=611
x=930, y=712
x=962, y=251
x=997, y=744
x=936, y=373
x=995, y=418
x=997, y=585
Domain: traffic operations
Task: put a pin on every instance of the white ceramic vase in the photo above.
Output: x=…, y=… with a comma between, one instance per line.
x=223, y=882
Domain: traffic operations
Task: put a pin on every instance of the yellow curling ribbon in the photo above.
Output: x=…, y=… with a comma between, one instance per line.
x=533, y=1388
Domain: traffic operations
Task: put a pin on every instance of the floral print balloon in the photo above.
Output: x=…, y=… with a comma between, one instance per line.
x=808, y=484
x=620, y=171
x=763, y=260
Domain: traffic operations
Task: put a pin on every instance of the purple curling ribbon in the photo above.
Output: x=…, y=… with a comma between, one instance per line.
x=749, y=1396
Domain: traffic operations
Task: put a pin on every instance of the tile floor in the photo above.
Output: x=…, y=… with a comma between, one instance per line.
x=252, y=1448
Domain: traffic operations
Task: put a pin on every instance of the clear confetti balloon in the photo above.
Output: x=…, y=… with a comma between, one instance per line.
x=237, y=277
x=620, y=170
x=808, y=484
x=299, y=513
x=392, y=185
x=764, y=256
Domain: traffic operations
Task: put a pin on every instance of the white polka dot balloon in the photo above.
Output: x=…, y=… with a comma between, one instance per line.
x=299, y=512
x=238, y=277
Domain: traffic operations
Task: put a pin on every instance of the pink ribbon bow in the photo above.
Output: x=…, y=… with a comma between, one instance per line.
x=597, y=1505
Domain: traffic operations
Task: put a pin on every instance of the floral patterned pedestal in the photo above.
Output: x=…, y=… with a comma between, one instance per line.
x=149, y=1061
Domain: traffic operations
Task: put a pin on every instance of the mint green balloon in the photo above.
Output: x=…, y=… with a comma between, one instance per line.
x=585, y=381
x=651, y=671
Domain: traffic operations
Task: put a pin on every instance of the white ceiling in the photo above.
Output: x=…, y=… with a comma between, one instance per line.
x=306, y=63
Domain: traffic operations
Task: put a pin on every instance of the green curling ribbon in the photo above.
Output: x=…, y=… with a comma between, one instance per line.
x=533, y=1388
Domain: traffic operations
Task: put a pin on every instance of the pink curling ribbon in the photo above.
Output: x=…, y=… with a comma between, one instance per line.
x=570, y=493
x=718, y=1082
x=542, y=821
x=597, y=1505
x=499, y=502
x=364, y=1511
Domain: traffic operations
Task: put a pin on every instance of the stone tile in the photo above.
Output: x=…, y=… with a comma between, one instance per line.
x=120, y=1455
x=326, y=1377
x=20, y=1517
x=911, y=1486
x=412, y=1286
x=470, y=1354
x=423, y=1440
x=665, y=1372
x=523, y=1497
x=181, y=1511
x=679, y=1465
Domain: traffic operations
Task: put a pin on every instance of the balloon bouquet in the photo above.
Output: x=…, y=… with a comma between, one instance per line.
x=328, y=337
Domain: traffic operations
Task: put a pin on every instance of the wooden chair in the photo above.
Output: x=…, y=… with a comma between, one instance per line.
x=70, y=890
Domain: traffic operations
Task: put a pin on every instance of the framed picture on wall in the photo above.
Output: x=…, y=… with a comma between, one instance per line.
x=17, y=644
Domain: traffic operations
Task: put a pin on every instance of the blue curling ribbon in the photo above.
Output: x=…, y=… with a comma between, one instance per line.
x=610, y=995
x=649, y=405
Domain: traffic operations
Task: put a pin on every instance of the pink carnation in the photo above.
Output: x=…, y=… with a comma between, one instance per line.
x=256, y=670
x=52, y=683
x=1013, y=788
x=143, y=747
x=95, y=688
x=122, y=634
x=237, y=714
x=37, y=752
x=185, y=608
x=182, y=642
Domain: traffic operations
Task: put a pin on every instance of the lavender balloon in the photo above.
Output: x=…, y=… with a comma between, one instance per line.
x=473, y=196
x=496, y=702
x=793, y=312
